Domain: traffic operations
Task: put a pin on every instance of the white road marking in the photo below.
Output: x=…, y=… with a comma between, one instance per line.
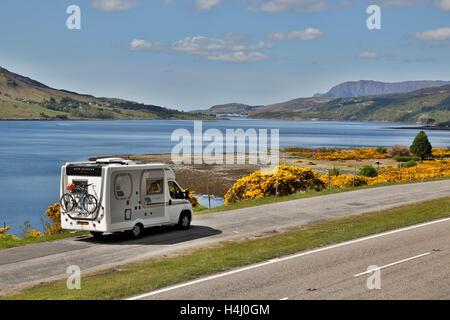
x=393, y=264
x=262, y=264
x=284, y=299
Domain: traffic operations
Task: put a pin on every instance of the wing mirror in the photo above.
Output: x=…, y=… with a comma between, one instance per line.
x=187, y=195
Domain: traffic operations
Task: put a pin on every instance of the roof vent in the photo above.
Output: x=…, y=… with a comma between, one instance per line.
x=115, y=161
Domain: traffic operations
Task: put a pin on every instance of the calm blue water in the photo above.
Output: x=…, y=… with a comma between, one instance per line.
x=31, y=153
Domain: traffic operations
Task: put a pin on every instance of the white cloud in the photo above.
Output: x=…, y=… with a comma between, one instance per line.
x=138, y=44
x=443, y=5
x=433, y=34
x=113, y=5
x=368, y=55
x=400, y=3
x=305, y=35
x=229, y=49
x=300, y=6
x=239, y=56
x=205, y=5
x=277, y=36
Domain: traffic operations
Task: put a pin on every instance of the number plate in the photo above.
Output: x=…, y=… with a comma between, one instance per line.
x=82, y=223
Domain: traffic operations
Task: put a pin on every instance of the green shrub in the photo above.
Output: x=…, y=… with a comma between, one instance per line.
x=381, y=150
x=368, y=171
x=410, y=163
x=335, y=172
x=404, y=158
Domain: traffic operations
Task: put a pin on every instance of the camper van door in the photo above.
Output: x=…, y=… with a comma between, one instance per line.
x=176, y=200
x=152, y=193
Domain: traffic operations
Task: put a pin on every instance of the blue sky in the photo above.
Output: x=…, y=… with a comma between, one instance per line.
x=192, y=54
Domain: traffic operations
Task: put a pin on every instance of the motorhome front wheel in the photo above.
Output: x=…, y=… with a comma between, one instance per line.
x=137, y=231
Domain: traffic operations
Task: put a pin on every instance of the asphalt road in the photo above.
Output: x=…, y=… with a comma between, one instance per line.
x=413, y=264
x=47, y=261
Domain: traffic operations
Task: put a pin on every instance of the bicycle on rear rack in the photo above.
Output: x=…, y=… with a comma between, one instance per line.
x=80, y=199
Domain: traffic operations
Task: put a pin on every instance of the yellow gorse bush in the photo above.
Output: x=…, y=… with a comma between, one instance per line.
x=343, y=181
x=54, y=214
x=193, y=199
x=441, y=153
x=358, y=154
x=425, y=170
x=303, y=154
x=5, y=235
x=3, y=231
x=259, y=184
x=292, y=179
x=34, y=233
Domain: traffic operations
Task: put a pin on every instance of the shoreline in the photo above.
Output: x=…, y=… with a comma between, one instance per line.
x=206, y=119
x=423, y=128
x=72, y=120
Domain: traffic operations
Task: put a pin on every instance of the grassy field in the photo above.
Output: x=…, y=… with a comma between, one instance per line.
x=153, y=274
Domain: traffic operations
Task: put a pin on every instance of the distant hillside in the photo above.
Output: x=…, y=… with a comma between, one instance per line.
x=417, y=106
x=407, y=101
x=25, y=98
x=367, y=88
x=282, y=110
x=231, y=108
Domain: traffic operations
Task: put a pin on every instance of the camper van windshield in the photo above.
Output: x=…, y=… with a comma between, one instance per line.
x=175, y=191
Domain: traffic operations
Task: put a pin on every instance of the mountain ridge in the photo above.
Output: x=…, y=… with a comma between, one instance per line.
x=387, y=107
x=420, y=106
x=362, y=88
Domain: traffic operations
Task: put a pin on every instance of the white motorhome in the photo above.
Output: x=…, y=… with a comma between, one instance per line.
x=117, y=195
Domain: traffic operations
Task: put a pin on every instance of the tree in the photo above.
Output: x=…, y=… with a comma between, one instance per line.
x=430, y=122
x=421, y=146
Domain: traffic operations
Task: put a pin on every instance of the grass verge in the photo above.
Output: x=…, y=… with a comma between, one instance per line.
x=153, y=274
x=10, y=243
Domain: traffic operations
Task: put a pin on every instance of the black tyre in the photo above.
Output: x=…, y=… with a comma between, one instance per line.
x=184, y=223
x=90, y=204
x=96, y=234
x=137, y=231
x=67, y=203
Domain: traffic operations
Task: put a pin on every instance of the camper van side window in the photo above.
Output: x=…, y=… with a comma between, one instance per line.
x=175, y=191
x=123, y=186
x=154, y=186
